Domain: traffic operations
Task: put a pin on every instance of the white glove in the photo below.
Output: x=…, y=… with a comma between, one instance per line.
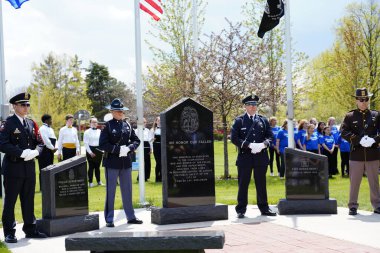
x=25, y=152
x=124, y=150
x=31, y=155
x=251, y=145
x=257, y=147
x=367, y=141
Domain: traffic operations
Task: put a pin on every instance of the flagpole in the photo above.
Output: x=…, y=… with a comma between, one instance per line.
x=194, y=10
x=139, y=102
x=289, y=89
x=2, y=87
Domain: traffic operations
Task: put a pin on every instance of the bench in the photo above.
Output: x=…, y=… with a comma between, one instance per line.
x=146, y=241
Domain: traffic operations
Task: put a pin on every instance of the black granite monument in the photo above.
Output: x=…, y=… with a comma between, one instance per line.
x=188, y=176
x=307, y=184
x=65, y=199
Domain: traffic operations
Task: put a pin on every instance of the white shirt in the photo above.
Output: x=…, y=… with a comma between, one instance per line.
x=20, y=118
x=47, y=133
x=91, y=138
x=148, y=136
x=68, y=135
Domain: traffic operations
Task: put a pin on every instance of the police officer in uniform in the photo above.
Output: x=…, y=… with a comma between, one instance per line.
x=361, y=129
x=18, y=140
x=118, y=140
x=252, y=134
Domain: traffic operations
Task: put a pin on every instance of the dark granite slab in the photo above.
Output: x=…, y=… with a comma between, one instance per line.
x=306, y=175
x=68, y=225
x=187, y=151
x=314, y=206
x=156, y=241
x=163, y=216
x=64, y=189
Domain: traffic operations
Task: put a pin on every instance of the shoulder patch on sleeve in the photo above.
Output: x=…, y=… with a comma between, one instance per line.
x=2, y=126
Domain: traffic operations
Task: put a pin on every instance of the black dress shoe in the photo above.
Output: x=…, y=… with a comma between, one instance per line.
x=353, y=211
x=10, y=239
x=240, y=215
x=110, y=225
x=36, y=234
x=377, y=210
x=268, y=213
x=135, y=221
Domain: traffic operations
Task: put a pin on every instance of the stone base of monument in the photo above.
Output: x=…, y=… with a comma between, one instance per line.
x=300, y=206
x=177, y=241
x=175, y=215
x=68, y=225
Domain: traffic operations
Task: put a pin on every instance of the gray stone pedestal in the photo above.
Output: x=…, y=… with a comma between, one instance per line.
x=175, y=215
x=68, y=225
x=312, y=206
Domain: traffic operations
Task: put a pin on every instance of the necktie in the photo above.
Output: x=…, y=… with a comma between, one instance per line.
x=251, y=117
x=94, y=128
x=24, y=123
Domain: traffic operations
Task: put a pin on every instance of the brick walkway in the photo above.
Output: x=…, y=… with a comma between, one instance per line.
x=268, y=237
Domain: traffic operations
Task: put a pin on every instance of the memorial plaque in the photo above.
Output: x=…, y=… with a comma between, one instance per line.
x=64, y=189
x=306, y=175
x=187, y=155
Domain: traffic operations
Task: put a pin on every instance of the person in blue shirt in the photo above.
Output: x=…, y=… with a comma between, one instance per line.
x=328, y=144
x=301, y=135
x=335, y=134
x=321, y=125
x=345, y=149
x=311, y=143
x=272, y=147
x=281, y=144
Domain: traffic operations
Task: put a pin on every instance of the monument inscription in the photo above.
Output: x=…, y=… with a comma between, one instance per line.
x=187, y=155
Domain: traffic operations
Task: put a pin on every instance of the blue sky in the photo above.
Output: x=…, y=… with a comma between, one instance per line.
x=103, y=31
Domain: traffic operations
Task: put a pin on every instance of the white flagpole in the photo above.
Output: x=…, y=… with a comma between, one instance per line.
x=194, y=11
x=289, y=90
x=139, y=102
x=2, y=87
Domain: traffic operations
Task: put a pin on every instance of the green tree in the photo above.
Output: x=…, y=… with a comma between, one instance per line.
x=59, y=86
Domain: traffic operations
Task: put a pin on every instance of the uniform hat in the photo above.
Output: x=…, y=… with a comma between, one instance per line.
x=20, y=98
x=251, y=100
x=117, y=105
x=362, y=93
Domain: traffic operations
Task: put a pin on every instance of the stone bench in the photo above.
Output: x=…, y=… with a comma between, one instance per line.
x=146, y=241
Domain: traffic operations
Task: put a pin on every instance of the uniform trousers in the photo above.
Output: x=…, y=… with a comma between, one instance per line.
x=157, y=157
x=272, y=154
x=357, y=169
x=244, y=178
x=23, y=187
x=68, y=153
x=125, y=179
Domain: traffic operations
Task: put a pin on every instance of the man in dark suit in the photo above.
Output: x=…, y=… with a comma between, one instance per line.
x=18, y=140
x=252, y=134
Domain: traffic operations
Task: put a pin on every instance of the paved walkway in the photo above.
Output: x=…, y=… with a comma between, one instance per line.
x=256, y=233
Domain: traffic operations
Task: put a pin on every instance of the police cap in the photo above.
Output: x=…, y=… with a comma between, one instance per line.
x=117, y=105
x=20, y=98
x=251, y=100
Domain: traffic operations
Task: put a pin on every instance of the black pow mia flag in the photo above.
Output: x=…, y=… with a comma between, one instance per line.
x=274, y=10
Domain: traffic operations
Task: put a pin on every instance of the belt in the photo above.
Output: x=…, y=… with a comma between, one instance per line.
x=69, y=145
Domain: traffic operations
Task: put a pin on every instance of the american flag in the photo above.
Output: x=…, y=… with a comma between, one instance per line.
x=152, y=7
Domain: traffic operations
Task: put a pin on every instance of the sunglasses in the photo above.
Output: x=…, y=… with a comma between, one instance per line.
x=25, y=105
x=363, y=99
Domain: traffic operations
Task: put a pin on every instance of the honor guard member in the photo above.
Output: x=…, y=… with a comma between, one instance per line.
x=18, y=140
x=252, y=134
x=118, y=139
x=68, y=142
x=361, y=129
x=47, y=134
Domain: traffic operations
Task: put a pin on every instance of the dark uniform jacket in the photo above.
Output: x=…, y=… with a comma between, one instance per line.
x=261, y=132
x=356, y=124
x=117, y=133
x=14, y=138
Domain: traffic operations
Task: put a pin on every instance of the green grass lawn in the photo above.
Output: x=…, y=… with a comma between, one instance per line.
x=226, y=190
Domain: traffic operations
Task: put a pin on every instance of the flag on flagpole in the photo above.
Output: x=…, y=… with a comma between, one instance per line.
x=17, y=3
x=274, y=10
x=152, y=7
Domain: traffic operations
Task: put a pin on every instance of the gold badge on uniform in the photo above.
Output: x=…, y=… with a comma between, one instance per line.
x=16, y=131
x=363, y=93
